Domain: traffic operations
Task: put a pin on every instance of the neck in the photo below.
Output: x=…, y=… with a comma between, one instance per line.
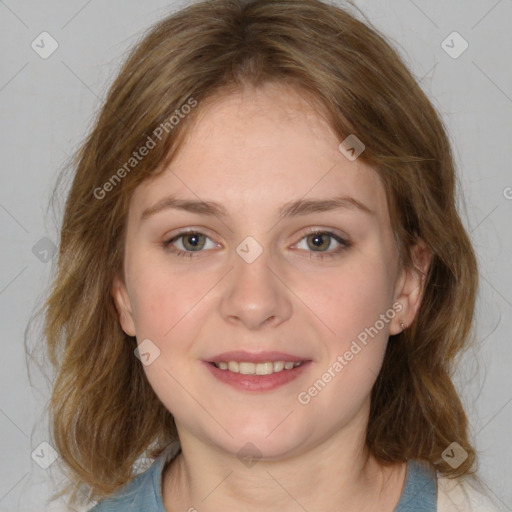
x=338, y=470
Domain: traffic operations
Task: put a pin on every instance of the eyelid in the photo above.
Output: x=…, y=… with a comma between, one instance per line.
x=184, y=231
x=326, y=231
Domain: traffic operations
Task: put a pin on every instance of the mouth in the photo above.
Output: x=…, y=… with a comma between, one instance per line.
x=249, y=368
x=263, y=371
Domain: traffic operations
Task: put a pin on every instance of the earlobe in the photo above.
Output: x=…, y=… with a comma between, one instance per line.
x=123, y=305
x=410, y=287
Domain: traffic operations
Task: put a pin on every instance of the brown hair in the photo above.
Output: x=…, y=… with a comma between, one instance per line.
x=104, y=413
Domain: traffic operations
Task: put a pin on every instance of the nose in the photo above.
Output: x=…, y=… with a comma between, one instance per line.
x=255, y=295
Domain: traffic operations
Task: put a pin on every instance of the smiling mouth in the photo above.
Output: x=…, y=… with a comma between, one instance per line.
x=264, y=368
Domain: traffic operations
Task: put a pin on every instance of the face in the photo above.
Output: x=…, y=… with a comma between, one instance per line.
x=263, y=238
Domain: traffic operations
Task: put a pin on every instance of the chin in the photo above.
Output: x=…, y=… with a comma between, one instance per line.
x=269, y=439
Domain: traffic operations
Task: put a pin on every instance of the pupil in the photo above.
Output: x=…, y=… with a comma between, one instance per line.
x=193, y=241
x=319, y=242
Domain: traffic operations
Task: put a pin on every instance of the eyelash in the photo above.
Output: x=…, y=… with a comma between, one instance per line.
x=344, y=244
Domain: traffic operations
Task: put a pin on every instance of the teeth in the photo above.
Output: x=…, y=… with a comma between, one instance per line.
x=266, y=368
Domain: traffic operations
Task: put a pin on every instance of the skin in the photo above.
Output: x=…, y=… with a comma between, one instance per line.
x=253, y=152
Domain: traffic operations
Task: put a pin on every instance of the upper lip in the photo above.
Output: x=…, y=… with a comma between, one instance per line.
x=255, y=357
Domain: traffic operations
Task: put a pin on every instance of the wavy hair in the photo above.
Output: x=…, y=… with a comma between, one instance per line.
x=104, y=413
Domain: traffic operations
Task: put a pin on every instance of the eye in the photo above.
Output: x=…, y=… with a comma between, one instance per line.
x=323, y=243
x=187, y=243
x=320, y=244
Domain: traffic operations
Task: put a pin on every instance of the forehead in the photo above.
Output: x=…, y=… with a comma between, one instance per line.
x=260, y=148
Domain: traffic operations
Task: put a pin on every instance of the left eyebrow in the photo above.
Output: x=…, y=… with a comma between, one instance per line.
x=291, y=209
x=308, y=206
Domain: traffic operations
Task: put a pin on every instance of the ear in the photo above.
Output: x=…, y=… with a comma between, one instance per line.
x=123, y=306
x=410, y=286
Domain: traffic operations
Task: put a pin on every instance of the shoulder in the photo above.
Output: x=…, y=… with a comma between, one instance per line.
x=130, y=496
x=464, y=495
x=143, y=492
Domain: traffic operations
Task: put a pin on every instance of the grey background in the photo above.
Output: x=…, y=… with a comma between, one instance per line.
x=48, y=105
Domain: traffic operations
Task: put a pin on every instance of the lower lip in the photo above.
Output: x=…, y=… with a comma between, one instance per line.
x=257, y=382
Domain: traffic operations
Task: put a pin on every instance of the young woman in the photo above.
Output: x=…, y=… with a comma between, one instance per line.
x=263, y=279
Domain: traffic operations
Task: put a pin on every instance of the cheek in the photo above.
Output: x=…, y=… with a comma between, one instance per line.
x=350, y=299
x=161, y=296
x=355, y=304
x=166, y=309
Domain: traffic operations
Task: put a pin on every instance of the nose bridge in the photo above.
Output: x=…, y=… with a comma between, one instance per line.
x=254, y=295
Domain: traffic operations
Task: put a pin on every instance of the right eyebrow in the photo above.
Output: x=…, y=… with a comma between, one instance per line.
x=188, y=205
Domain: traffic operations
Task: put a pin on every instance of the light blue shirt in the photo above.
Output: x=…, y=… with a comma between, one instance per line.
x=144, y=492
